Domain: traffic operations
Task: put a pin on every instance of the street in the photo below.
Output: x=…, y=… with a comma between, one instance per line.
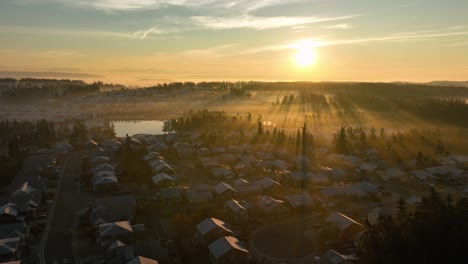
x=59, y=241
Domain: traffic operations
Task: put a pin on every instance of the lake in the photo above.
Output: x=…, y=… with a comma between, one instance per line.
x=133, y=127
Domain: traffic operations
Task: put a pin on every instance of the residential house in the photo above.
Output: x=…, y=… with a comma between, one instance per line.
x=10, y=248
x=211, y=229
x=333, y=257
x=199, y=194
x=224, y=191
x=346, y=226
x=236, y=211
x=271, y=207
x=268, y=185
x=227, y=250
x=15, y=230
x=8, y=214
x=247, y=188
x=163, y=180
x=119, y=252
x=142, y=260
x=222, y=172
x=171, y=195
x=300, y=201
x=100, y=160
x=108, y=233
x=112, y=209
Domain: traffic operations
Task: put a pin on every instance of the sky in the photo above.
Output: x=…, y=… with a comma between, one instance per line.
x=143, y=41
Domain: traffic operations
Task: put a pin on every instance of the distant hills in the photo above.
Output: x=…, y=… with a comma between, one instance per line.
x=449, y=83
x=46, y=74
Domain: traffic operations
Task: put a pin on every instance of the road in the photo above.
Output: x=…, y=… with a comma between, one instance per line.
x=59, y=241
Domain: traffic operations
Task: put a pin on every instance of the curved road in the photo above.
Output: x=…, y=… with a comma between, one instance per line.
x=59, y=241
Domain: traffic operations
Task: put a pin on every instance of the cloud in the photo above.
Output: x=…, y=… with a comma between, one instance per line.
x=395, y=37
x=401, y=36
x=121, y=5
x=217, y=51
x=341, y=26
x=143, y=34
x=258, y=23
x=64, y=31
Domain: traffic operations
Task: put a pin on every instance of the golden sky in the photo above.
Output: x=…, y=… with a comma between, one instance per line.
x=143, y=41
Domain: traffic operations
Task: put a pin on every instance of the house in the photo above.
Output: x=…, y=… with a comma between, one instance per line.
x=10, y=248
x=227, y=158
x=271, y=207
x=36, y=182
x=15, y=230
x=318, y=178
x=392, y=174
x=222, y=172
x=102, y=174
x=333, y=257
x=461, y=162
x=89, y=144
x=8, y=214
x=157, y=147
x=104, y=183
x=163, y=180
x=110, y=232
x=199, y=194
x=183, y=149
x=100, y=160
x=154, y=249
x=423, y=175
x=153, y=155
x=121, y=230
x=269, y=185
x=171, y=195
x=331, y=191
x=228, y=250
x=142, y=260
x=346, y=226
x=223, y=190
x=119, y=252
x=359, y=189
x=246, y=188
x=211, y=229
x=337, y=174
x=112, y=209
x=25, y=202
x=103, y=167
x=413, y=201
x=218, y=150
x=236, y=211
x=278, y=164
x=444, y=171
x=300, y=201
x=368, y=167
x=159, y=166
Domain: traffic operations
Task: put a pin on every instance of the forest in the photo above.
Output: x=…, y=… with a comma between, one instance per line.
x=436, y=231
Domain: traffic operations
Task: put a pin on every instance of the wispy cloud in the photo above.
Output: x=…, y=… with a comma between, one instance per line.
x=400, y=36
x=395, y=37
x=341, y=26
x=64, y=31
x=120, y=5
x=259, y=23
x=217, y=51
x=143, y=34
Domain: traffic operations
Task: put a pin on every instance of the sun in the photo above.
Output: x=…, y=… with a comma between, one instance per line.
x=305, y=53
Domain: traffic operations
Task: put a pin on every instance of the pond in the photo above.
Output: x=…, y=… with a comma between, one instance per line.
x=133, y=127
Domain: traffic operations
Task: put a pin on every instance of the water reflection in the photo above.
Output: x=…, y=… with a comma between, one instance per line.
x=132, y=127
